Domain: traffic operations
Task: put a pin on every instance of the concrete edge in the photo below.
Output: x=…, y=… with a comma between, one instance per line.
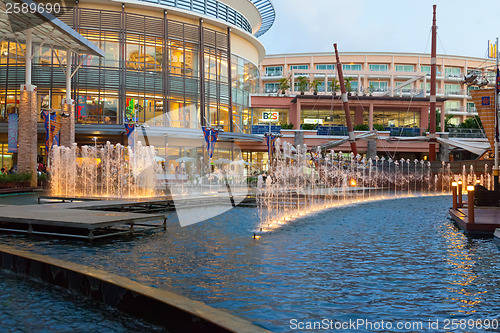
x=174, y=312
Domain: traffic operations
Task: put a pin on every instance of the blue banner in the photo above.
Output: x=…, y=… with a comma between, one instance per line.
x=130, y=134
x=13, y=127
x=210, y=138
x=270, y=139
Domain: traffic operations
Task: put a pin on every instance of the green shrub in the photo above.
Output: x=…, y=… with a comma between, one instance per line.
x=378, y=127
x=286, y=126
x=308, y=127
x=361, y=127
x=42, y=176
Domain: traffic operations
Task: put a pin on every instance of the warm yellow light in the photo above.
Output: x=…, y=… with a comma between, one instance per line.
x=454, y=184
x=478, y=181
x=460, y=182
x=352, y=182
x=470, y=188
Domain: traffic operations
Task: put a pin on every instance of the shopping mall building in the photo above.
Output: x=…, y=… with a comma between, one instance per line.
x=177, y=65
x=173, y=65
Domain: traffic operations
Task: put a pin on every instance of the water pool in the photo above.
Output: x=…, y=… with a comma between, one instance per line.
x=393, y=260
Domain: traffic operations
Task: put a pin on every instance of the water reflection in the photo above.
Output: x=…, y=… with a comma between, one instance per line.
x=392, y=260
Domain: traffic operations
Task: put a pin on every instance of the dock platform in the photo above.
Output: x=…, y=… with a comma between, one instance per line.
x=486, y=220
x=75, y=220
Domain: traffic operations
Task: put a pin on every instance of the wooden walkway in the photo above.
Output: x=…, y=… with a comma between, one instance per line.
x=75, y=220
x=486, y=220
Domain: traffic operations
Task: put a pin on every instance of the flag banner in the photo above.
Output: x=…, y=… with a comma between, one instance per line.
x=52, y=133
x=484, y=101
x=81, y=106
x=492, y=50
x=270, y=140
x=210, y=138
x=130, y=128
x=12, y=132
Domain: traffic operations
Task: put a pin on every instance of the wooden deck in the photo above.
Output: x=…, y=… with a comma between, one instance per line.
x=75, y=220
x=92, y=219
x=487, y=219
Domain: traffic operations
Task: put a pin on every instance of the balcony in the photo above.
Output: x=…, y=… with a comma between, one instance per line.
x=466, y=133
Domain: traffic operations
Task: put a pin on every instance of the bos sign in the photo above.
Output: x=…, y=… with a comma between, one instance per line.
x=270, y=117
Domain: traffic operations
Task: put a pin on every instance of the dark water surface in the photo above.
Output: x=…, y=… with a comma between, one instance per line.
x=394, y=260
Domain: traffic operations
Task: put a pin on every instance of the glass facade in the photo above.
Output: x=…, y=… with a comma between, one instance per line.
x=160, y=71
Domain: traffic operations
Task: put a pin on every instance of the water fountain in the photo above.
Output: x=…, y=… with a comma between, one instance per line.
x=300, y=183
x=110, y=171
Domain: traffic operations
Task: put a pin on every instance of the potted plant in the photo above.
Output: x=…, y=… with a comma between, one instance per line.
x=283, y=85
x=302, y=80
x=335, y=86
x=314, y=86
x=348, y=85
x=371, y=89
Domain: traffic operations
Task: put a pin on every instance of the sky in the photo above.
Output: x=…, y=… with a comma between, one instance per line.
x=305, y=26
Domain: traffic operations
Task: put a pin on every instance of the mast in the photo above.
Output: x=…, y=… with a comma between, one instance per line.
x=495, y=168
x=345, y=104
x=432, y=116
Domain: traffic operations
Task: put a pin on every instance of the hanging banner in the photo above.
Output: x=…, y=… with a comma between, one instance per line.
x=210, y=138
x=484, y=101
x=270, y=140
x=52, y=133
x=129, y=128
x=81, y=106
x=13, y=128
x=492, y=50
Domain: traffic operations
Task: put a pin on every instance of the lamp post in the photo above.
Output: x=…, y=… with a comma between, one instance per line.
x=470, y=203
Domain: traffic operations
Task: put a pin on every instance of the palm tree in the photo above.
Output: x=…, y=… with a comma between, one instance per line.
x=348, y=86
x=335, y=86
x=302, y=80
x=314, y=85
x=283, y=85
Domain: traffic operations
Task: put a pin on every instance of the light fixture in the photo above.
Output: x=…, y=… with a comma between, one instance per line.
x=470, y=188
x=454, y=184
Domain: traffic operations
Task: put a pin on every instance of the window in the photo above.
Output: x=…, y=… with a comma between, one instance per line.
x=470, y=88
x=271, y=87
x=306, y=67
x=296, y=86
x=378, y=85
x=354, y=85
x=396, y=118
x=452, y=106
x=428, y=87
x=328, y=67
x=426, y=69
x=274, y=71
x=405, y=68
x=452, y=72
x=299, y=67
x=452, y=89
x=379, y=67
x=471, y=107
x=351, y=67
